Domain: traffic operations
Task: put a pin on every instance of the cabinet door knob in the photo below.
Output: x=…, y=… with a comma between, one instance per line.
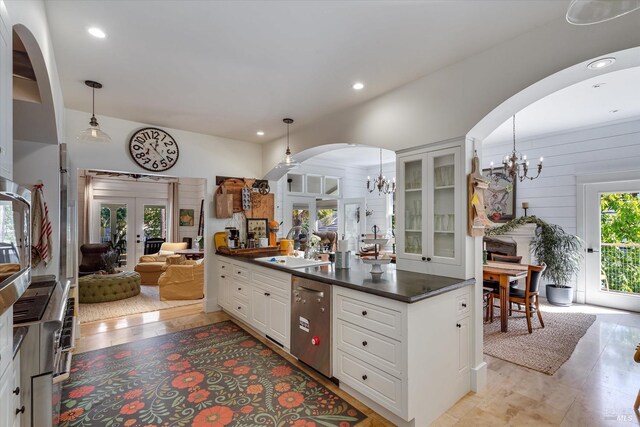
x=20, y=411
x=266, y=294
x=364, y=377
x=364, y=313
x=364, y=343
x=464, y=305
x=239, y=272
x=428, y=258
x=424, y=258
x=239, y=308
x=223, y=276
x=239, y=289
x=458, y=325
x=16, y=391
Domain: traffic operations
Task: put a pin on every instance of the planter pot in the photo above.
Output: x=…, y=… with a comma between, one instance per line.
x=559, y=296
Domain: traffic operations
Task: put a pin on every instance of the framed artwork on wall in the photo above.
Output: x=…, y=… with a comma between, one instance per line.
x=186, y=217
x=500, y=197
x=259, y=226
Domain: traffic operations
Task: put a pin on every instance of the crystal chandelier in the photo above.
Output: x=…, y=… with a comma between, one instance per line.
x=588, y=12
x=383, y=185
x=515, y=165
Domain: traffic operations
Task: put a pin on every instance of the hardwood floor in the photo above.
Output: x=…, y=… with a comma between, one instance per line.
x=595, y=387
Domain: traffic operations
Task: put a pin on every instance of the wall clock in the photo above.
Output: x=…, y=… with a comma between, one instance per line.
x=154, y=149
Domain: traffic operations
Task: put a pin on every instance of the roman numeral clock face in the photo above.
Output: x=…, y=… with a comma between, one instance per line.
x=154, y=149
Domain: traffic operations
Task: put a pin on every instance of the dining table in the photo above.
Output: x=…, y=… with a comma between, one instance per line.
x=504, y=273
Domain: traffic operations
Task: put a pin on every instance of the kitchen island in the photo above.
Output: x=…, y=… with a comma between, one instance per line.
x=401, y=344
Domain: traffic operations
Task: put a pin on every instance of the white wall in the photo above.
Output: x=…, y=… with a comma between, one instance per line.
x=191, y=192
x=35, y=163
x=450, y=102
x=552, y=197
x=201, y=156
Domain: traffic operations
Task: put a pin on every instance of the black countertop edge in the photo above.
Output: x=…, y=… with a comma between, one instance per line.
x=404, y=289
x=18, y=338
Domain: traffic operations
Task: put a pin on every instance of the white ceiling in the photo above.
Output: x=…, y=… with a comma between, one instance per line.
x=611, y=97
x=229, y=68
x=359, y=156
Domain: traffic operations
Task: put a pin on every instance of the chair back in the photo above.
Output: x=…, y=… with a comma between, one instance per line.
x=533, y=277
x=152, y=245
x=506, y=258
x=8, y=254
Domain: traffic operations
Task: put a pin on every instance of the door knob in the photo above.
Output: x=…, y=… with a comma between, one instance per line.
x=364, y=313
x=590, y=250
x=364, y=377
x=364, y=343
x=458, y=325
x=20, y=411
x=16, y=391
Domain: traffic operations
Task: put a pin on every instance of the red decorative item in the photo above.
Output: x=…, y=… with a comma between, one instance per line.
x=496, y=215
x=315, y=340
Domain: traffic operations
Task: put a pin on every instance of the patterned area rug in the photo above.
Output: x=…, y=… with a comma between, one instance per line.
x=544, y=350
x=147, y=300
x=213, y=376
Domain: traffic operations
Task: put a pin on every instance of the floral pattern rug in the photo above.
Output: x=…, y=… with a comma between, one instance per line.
x=212, y=376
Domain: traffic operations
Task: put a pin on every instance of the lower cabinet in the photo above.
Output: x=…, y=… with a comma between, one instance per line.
x=10, y=399
x=411, y=360
x=258, y=296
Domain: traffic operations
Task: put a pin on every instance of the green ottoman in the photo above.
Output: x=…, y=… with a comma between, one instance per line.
x=108, y=287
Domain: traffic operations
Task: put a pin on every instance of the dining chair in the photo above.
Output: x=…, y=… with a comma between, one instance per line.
x=506, y=258
x=529, y=297
x=487, y=301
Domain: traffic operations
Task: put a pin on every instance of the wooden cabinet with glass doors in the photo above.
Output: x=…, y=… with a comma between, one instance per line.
x=429, y=194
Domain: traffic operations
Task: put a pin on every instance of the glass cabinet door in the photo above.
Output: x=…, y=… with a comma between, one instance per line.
x=413, y=230
x=443, y=207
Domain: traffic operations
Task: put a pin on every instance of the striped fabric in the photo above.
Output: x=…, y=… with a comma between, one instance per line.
x=40, y=229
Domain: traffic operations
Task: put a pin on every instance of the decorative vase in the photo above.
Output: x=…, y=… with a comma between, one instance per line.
x=562, y=296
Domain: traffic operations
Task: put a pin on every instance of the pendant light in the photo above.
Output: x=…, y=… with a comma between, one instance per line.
x=93, y=134
x=588, y=12
x=288, y=162
x=383, y=185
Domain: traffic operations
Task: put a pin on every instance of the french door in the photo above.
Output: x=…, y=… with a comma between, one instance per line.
x=612, y=239
x=126, y=222
x=352, y=221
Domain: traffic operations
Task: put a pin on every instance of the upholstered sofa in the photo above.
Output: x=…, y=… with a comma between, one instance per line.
x=150, y=267
x=182, y=280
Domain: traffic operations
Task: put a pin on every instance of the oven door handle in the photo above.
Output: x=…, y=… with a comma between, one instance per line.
x=313, y=291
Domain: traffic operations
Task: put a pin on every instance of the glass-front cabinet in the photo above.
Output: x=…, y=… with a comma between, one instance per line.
x=430, y=194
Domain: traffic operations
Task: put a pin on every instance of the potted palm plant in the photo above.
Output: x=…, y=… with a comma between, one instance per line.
x=560, y=251
x=562, y=254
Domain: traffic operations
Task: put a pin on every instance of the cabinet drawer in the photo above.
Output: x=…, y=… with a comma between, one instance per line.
x=376, y=349
x=370, y=316
x=240, y=308
x=224, y=267
x=241, y=273
x=463, y=304
x=6, y=339
x=379, y=386
x=240, y=290
x=272, y=282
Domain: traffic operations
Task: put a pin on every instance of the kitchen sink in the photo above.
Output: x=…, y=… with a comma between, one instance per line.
x=292, y=261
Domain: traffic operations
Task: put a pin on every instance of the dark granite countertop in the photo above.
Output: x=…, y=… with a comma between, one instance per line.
x=400, y=285
x=18, y=337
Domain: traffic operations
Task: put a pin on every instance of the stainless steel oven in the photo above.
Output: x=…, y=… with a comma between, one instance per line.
x=48, y=312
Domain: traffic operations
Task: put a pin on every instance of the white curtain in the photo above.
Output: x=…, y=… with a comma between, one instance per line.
x=174, y=211
x=86, y=217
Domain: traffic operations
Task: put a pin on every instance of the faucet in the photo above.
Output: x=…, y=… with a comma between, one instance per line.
x=300, y=236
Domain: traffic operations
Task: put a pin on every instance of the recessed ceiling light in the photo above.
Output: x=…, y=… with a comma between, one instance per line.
x=358, y=86
x=97, y=32
x=601, y=63
x=260, y=133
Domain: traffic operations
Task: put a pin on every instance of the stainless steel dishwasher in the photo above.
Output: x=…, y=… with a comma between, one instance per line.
x=311, y=323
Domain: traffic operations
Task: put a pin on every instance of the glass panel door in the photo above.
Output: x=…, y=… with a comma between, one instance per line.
x=112, y=219
x=444, y=205
x=413, y=232
x=613, y=245
x=152, y=222
x=352, y=221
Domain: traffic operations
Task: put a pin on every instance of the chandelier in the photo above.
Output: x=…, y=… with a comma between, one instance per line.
x=515, y=165
x=383, y=185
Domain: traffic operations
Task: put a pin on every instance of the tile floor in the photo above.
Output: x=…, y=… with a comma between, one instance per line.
x=595, y=387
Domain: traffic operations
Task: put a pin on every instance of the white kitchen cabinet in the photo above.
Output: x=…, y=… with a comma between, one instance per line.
x=16, y=392
x=6, y=95
x=409, y=362
x=224, y=284
x=259, y=296
x=430, y=199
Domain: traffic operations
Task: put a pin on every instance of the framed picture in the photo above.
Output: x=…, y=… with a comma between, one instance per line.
x=500, y=197
x=259, y=226
x=186, y=217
